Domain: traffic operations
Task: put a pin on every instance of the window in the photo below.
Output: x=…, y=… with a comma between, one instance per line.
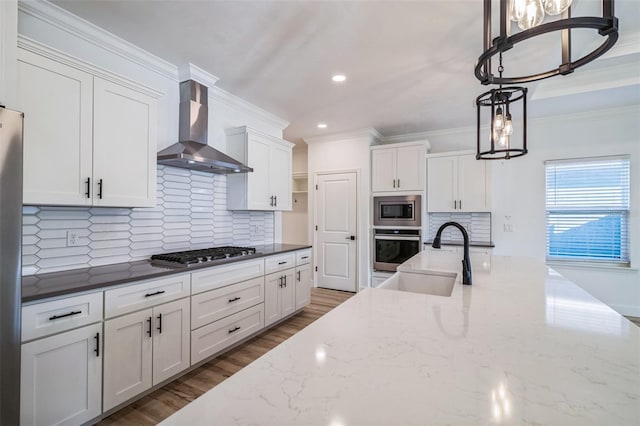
x=587, y=204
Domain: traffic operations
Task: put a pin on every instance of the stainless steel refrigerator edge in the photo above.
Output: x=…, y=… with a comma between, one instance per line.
x=11, y=126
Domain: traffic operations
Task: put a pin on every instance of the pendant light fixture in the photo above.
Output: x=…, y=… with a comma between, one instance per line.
x=501, y=141
x=528, y=16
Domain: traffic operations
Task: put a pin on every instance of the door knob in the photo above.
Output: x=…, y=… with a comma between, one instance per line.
x=351, y=237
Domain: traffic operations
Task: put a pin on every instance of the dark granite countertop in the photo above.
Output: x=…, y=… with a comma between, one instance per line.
x=459, y=243
x=43, y=286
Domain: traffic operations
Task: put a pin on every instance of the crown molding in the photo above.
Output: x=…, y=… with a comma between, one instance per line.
x=78, y=27
x=43, y=50
x=237, y=103
x=590, y=80
x=409, y=137
x=369, y=132
x=193, y=72
x=593, y=114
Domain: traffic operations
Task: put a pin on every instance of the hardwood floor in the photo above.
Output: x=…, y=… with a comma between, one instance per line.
x=160, y=404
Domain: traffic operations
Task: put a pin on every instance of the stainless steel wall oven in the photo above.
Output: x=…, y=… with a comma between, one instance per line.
x=393, y=246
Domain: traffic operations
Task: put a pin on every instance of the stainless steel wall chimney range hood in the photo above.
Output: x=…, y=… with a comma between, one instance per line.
x=192, y=152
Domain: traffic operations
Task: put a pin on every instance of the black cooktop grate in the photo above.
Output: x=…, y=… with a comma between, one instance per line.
x=191, y=257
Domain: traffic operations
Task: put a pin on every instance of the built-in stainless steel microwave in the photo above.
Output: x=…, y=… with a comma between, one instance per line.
x=396, y=211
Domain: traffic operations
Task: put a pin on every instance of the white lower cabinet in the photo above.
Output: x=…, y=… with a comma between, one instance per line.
x=152, y=331
x=279, y=296
x=303, y=286
x=144, y=348
x=213, y=338
x=171, y=339
x=61, y=378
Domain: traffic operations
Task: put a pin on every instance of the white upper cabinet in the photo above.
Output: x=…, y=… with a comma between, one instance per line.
x=124, y=146
x=87, y=141
x=458, y=183
x=58, y=104
x=268, y=187
x=398, y=167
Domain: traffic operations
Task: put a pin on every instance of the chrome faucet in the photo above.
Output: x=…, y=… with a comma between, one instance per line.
x=466, y=263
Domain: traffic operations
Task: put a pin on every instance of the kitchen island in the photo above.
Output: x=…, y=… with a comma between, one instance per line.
x=522, y=345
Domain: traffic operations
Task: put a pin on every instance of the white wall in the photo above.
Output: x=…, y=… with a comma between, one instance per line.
x=519, y=186
x=8, y=51
x=345, y=153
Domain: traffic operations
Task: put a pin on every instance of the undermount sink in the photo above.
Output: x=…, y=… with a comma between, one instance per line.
x=428, y=282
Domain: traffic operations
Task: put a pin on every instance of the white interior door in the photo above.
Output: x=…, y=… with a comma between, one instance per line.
x=336, y=219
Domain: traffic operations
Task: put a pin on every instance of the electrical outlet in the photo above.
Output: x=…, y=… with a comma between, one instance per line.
x=508, y=227
x=72, y=238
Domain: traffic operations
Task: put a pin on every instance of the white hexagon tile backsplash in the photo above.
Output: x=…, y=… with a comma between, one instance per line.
x=191, y=212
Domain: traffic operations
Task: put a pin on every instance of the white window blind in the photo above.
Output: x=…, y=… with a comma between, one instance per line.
x=587, y=204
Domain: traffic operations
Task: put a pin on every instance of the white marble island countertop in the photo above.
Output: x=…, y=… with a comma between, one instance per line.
x=522, y=345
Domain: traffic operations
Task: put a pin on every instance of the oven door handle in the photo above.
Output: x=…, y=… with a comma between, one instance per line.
x=399, y=237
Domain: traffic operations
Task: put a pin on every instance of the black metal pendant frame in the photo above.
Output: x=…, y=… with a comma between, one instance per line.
x=502, y=97
x=607, y=26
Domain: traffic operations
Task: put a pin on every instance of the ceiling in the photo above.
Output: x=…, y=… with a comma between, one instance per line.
x=409, y=65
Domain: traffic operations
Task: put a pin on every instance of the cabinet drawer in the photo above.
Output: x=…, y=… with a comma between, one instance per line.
x=279, y=262
x=47, y=318
x=216, y=304
x=213, y=338
x=303, y=257
x=145, y=294
x=220, y=276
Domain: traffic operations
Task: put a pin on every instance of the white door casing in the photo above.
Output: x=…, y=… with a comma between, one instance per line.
x=336, y=219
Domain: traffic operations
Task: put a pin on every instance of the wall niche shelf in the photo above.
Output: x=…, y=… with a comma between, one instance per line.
x=299, y=183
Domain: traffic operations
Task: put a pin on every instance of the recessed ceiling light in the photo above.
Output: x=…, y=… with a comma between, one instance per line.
x=322, y=125
x=339, y=78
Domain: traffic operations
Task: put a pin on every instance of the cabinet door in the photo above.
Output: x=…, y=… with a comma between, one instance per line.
x=272, y=299
x=383, y=170
x=410, y=163
x=171, y=340
x=473, y=184
x=303, y=286
x=280, y=176
x=57, y=102
x=127, y=357
x=288, y=294
x=124, y=146
x=258, y=192
x=61, y=378
x=441, y=184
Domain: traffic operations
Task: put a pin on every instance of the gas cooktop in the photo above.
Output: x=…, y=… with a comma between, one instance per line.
x=195, y=257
